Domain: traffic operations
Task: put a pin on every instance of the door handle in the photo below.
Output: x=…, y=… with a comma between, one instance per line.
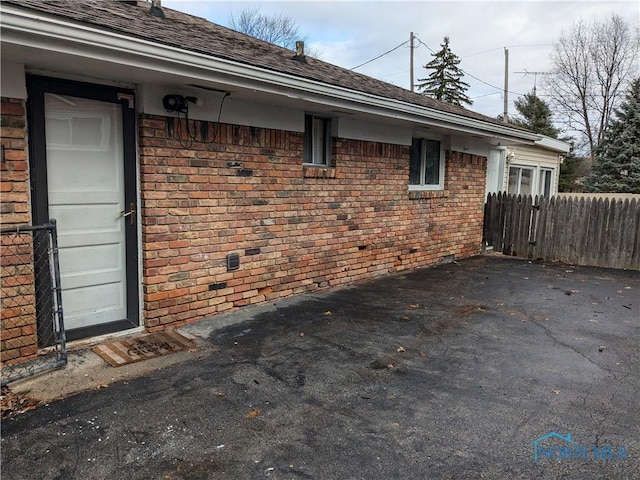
x=131, y=214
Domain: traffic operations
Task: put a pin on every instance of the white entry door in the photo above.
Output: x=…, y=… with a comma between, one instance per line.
x=494, y=172
x=82, y=149
x=85, y=179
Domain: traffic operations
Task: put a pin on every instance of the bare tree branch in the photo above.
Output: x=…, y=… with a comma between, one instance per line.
x=278, y=28
x=592, y=65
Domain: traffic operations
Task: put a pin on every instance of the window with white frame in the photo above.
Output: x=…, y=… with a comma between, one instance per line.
x=317, y=140
x=546, y=182
x=520, y=180
x=426, y=167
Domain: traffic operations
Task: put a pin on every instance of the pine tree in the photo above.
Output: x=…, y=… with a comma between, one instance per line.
x=569, y=173
x=445, y=80
x=617, y=158
x=535, y=115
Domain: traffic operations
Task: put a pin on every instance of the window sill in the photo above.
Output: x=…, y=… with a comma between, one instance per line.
x=318, y=171
x=426, y=194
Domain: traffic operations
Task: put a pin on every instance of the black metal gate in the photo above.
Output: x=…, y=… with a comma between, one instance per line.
x=33, y=337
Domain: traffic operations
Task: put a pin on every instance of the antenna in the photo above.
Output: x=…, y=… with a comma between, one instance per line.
x=535, y=77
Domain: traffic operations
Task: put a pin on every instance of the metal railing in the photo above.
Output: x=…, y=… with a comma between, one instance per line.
x=33, y=337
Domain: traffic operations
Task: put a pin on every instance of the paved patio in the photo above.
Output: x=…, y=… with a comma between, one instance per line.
x=448, y=372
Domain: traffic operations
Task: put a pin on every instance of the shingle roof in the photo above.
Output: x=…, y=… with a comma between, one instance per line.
x=196, y=34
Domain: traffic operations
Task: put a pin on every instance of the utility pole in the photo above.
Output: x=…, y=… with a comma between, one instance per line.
x=505, y=117
x=411, y=60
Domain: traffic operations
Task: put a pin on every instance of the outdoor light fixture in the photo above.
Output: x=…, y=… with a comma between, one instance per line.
x=178, y=103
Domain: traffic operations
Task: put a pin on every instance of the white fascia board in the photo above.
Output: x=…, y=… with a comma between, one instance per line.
x=53, y=34
x=554, y=144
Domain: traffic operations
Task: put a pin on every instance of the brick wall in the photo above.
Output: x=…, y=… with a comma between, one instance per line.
x=14, y=178
x=295, y=228
x=18, y=322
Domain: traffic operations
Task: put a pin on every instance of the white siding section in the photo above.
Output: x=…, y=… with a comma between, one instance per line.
x=470, y=145
x=12, y=81
x=255, y=114
x=234, y=111
x=535, y=155
x=537, y=158
x=357, y=129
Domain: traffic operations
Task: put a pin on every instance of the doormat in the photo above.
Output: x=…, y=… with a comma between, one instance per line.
x=144, y=347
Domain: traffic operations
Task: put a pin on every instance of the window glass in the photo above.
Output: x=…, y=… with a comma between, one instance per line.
x=545, y=183
x=69, y=131
x=415, y=161
x=316, y=140
x=317, y=147
x=432, y=162
x=520, y=180
x=514, y=176
x=525, y=181
x=425, y=164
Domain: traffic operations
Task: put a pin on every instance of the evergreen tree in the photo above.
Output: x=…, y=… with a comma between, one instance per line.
x=617, y=159
x=569, y=173
x=535, y=115
x=445, y=80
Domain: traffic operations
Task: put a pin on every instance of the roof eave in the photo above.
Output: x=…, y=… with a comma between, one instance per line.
x=46, y=32
x=554, y=144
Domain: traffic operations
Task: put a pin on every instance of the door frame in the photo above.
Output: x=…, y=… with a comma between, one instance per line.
x=37, y=86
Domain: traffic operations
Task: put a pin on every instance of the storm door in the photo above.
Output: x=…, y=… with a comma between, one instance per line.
x=82, y=144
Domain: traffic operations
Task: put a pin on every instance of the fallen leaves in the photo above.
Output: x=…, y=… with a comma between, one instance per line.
x=253, y=413
x=13, y=403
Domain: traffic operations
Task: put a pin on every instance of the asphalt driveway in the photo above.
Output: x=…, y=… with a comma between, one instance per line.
x=457, y=371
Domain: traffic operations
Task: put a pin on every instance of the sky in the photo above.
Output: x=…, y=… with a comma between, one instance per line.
x=349, y=33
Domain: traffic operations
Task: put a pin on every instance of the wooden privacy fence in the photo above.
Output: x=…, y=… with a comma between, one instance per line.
x=581, y=231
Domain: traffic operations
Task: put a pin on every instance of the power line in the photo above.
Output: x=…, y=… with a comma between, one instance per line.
x=508, y=46
x=490, y=85
x=394, y=73
x=472, y=76
x=486, y=95
x=500, y=90
x=379, y=56
x=420, y=41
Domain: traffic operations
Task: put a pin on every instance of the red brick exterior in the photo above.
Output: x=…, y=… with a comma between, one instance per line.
x=296, y=228
x=18, y=321
x=14, y=179
x=314, y=227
